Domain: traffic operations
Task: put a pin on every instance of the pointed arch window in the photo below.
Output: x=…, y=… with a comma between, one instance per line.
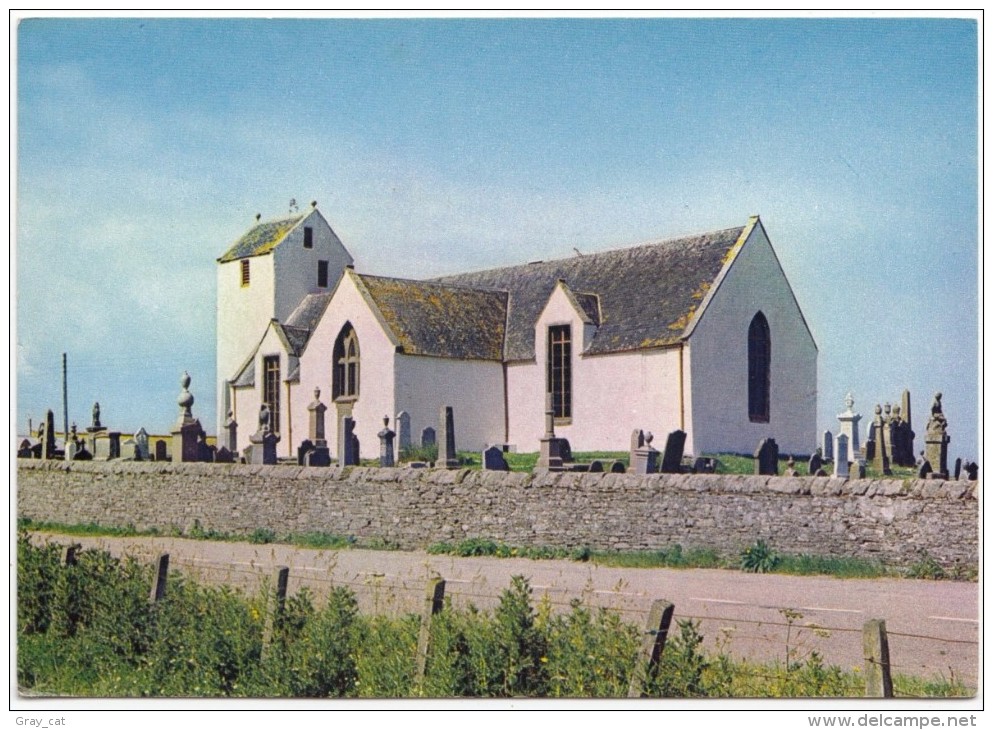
x=345, y=382
x=759, y=359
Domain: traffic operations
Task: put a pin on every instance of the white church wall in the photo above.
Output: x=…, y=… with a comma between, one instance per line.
x=296, y=266
x=243, y=313
x=719, y=355
x=611, y=394
x=473, y=388
x=376, y=368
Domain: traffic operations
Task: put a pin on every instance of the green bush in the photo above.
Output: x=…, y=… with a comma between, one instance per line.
x=759, y=558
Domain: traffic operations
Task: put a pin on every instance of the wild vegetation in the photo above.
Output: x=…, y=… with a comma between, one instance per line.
x=89, y=629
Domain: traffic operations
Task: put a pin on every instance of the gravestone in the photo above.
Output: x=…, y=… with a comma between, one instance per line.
x=672, y=455
x=936, y=440
x=24, y=449
x=348, y=443
x=857, y=469
x=493, y=459
x=958, y=468
x=645, y=459
x=81, y=453
x=186, y=432
x=48, y=438
x=827, y=445
x=848, y=424
x=924, y=469
x=841, y=457
x=114, y=437
x=446, y=439
x=637, y=439
x=96, y=426
x=403, y=431
x=596, y=466
x=70, y=450
x=820, y=473
x=141, y=444
x=318, y=454
x=815, y=462
x=305, y=447
x=550, y=446
x=880, y=457
x=971, y=470
x=205, y=452
x=223, y=456
x=428, y=437
x=767, y=457
x=908, y=445
x=161, y=451
x=791, y=468
x=263, y=441
x=702, y=465
x=230, y=434
x=386, y=444
x=617, y=467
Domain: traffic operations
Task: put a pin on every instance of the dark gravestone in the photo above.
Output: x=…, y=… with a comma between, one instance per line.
x=924, y=469
x=446, y=438
x=114, y=438
x=617, y=467
x=820, y=473
x=596, y=466
x=672, y=456
x=48, y=440
x=428, y=437
x=767, y=457
x=161, y=451
x=971, y=469
x=348, y=451
x=702, y=465
x=223, y=456
x=493, y=459
x=958, y=468
x=815, y=463
x=386, y=437
x=24, y=449
x=305, y=447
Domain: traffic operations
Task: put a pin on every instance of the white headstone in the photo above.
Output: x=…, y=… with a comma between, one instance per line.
x=841, y=457
x=849, y=425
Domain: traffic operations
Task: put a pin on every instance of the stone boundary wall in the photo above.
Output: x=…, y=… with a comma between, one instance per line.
x=894, y=521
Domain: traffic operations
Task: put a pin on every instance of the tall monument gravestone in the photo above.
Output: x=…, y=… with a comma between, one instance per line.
x=319, y=454
x=263, y=442
x=386, y=437
x=186, y=434
x=936, y=440
x=446, y=439
x=767, y=457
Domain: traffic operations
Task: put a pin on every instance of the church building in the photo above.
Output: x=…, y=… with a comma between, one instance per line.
x=701, y=333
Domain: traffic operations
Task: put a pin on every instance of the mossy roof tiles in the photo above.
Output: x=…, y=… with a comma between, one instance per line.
x=646, y=294
x=260, y=239
x=441, y=320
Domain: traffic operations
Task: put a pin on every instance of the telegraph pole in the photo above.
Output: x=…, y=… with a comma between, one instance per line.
x=65, y=401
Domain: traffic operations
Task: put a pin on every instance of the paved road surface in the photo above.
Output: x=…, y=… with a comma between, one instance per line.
x=933, y=626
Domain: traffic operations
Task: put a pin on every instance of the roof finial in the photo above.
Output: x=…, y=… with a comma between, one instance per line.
x=313, y=204
x=258, y=217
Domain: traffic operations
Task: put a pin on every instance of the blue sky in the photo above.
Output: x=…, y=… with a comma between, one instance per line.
x=145, y=146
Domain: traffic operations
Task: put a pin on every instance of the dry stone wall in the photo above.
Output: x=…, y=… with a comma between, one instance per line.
x=890, y=520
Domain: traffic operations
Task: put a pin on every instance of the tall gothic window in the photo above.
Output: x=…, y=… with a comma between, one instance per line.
x=345, y=381
x=560, y=370
x=759, y=358
x=270, y=388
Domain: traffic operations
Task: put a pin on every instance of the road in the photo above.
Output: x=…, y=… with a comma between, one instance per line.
x=933, y=626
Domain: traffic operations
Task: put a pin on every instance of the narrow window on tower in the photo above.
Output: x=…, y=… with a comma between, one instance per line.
x=246, y=276
x=308, y=237
x=322, y=274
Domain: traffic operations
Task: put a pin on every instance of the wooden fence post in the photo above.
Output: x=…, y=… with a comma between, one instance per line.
x=275, y=601
x=69, y=554
x=652, y=645
x=434, y=600
x=876, y=649
x=159, y=581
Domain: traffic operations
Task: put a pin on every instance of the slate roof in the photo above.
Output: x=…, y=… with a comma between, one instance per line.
x=647, y=294
x=260, y=239
x=441, y=320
